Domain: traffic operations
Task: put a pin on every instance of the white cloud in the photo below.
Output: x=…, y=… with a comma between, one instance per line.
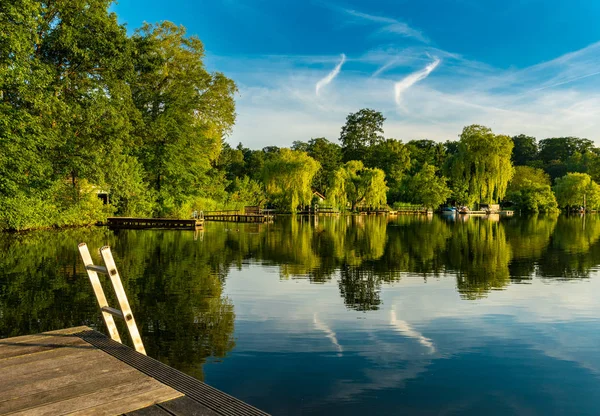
x=277, y=102
x=389, y=25
x=401, y=86
x=330, y=77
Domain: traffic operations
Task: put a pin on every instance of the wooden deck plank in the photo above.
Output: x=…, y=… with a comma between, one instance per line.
x=52, y=369
x=154, y=410
x=51, y=392
x=109, y=400
x=80, y=371
x=129, y=403
x=44, y=344
x=56, y=333
x=184, y=406
x=26, y=361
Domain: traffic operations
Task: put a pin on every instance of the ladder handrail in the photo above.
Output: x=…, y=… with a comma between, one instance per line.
x=110, y=269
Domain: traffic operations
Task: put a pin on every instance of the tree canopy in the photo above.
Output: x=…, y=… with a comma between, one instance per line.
x=481, y=169
x=577, y=189
x=358, y=185
x=288, y=177
x=362, y=130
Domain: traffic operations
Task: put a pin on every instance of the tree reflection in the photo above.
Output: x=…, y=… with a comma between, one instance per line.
x=529, y=239
x=174, y=290
x=175, y=282
x=480, y=254
x=359, y=288
x=574, y=249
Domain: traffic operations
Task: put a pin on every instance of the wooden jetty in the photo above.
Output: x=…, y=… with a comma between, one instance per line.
x=239, y=216
x=480, y=213
x=79, y=371
x=143, y=223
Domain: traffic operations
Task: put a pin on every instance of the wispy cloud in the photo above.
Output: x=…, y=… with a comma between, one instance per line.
x=386, y=66
x=550, y=99
x=390, y=25
x=330, y=77
x=401, y=86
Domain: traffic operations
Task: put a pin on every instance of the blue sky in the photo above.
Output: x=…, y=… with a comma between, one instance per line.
x=432, y=67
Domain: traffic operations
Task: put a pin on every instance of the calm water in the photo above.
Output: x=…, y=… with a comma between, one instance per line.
x=350, y=316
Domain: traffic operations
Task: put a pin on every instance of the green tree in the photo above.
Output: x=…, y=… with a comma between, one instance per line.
x=358, y=186
x=525, y=150
x=481, y=169
x=426, y=152
x=530, y=190
x=25, y=101
x=329, y=156
x=90, y=69
x=186, y=111
x=577, y=189
x=561, y=155
x=362, y=130
x=247, y=191
x=393, y=157
x=288, y=176
x=428, y=189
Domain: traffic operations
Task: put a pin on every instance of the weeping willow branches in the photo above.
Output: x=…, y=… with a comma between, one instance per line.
x=482, y=168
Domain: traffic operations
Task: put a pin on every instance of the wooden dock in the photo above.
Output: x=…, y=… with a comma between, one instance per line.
x=143, y=223
x=237, y=216
x=79, y=371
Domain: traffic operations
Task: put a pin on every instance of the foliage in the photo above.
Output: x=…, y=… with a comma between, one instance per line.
x=525, y=151
x=329, y=156
x=577, y=189
x=59, y=206
x=427, y=189
x=481, y=169
x=185, y=111
x=288, y=177
x=394, y=159
x=357, y=185
x=426, y=152
x=81, y=100
x=246, y=192
x=529, y=190
x=362, y=130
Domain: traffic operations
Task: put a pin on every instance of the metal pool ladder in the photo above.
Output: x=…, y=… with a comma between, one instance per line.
x=110, y=269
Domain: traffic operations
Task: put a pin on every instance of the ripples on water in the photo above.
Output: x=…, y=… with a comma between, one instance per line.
x=356, y=315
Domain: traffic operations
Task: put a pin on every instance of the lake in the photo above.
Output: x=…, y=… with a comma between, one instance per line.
x=351, y=315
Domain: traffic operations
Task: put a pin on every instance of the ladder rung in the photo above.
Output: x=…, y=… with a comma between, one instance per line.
x=113, y=311
x=97, y=269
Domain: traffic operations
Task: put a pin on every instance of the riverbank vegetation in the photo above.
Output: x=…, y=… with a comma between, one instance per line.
x=87, y=109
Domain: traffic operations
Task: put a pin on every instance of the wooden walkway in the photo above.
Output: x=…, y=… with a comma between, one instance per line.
x=142, y=223
x=228, y=216
x=79, y=371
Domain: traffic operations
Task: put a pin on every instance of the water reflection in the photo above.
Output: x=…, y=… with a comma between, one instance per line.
x=350, y=315
x=40, y=270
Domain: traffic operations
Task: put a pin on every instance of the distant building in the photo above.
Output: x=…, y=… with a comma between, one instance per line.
x=319, y=196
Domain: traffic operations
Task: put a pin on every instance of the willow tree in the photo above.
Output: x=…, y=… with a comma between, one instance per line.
x=288, y=176
x=577, y=189
x=357, y=185
x=482, y=167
